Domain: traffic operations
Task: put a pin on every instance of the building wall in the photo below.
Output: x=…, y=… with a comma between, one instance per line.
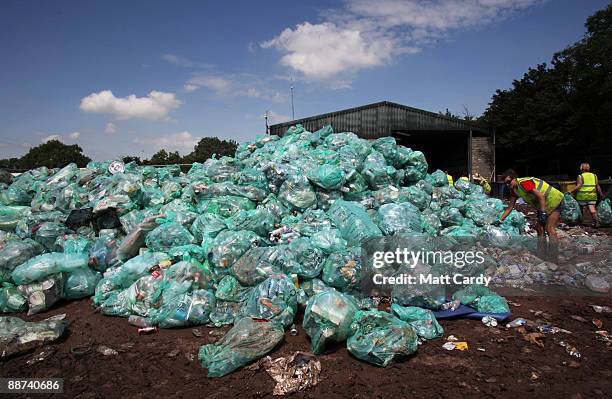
x=482, y=156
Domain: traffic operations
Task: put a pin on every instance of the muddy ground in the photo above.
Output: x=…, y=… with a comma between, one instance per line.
x=165, y=364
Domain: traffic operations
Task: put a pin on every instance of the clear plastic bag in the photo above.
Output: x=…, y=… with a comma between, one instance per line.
x=328, y=318
x=248, y=340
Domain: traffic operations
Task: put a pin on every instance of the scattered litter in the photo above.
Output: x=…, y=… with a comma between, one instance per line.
x=569, y=349
x=173, y=353
x=293, y=330
x=516, y=323
x=602, y=309
x=598, y=323
x=106, y=351
x=197, y=332
x=80, y=350
x=147, y=330
x=481, y=349
x=489, y=321
x=579, y=318
x=294, y=373
x=534, y=376
x=18, y=336
x=535, y=338
x=452, y=345
x=45, y=353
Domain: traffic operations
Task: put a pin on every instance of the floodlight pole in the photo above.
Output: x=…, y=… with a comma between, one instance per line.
x=266, y=118
x=292, y=106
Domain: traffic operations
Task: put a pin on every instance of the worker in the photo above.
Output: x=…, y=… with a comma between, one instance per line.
x=587, y=188
x=547, y=200
x=482, y=182
x=450, y=179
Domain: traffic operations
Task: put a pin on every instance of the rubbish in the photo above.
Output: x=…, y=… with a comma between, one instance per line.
x=516, y=323
x=379, y=338
x=452, y=345
x=481, y=349
x=41, y=296
x=138, y=321
x=245, y=342
x=598, y=323
x=604, y=212
x=18, y=336
x=327, y=318
x=570, y=349
x=579, y=318
x=106, y=351
x=293, y=330
x=80, y=350
x=45, y=353
x=602, y=309
x=489, y=321
x=597, y=284
x=293, y=373
x=147, y=330
x=571, y=212
x=422, y=320
x=535, y=338
x=40, y=267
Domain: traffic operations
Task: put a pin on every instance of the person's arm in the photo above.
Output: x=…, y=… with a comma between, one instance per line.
x=599, y=190
x=578, y=185
x=508, y=209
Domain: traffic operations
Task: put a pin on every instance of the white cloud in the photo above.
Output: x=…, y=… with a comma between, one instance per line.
x=61, y=137
x=156, y=105
x=182, y=141
x=191, y=87
x=51, y=137
x=178, y=60
x=324, y=50
x=275, y=117
x=365, y=34
x=3, y=145
x=235, y=85
x=110, y=128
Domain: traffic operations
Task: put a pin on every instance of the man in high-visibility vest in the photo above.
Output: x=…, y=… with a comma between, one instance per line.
x=547, y=200
x=486, y=187
x=450, y=179
x=587, y=188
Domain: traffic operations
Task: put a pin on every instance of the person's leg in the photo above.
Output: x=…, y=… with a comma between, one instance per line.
x=593, y=211
x=541, y=251
x=551, y=228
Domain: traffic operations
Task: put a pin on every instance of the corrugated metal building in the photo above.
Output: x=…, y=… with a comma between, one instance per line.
x=450, y=144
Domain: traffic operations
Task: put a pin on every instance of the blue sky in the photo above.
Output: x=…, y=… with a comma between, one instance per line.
x=130, y=77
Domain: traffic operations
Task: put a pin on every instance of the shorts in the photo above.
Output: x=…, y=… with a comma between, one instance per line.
x=585, y=203
x=559, y=207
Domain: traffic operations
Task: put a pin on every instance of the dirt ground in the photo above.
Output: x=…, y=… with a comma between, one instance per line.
x=165, y=364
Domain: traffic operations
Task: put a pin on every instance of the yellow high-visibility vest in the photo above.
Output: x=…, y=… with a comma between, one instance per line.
x=486, y=187
x=587, y=192
x=552, y=196
x=450, y=180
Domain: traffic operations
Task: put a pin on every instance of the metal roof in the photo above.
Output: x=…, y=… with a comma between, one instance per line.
x=389, y=121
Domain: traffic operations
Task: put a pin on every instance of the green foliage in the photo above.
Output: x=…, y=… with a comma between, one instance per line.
x=53, y=154
x=557, y=116
x=208, y=146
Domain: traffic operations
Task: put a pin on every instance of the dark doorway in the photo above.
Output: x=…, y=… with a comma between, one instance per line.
x=447, y=151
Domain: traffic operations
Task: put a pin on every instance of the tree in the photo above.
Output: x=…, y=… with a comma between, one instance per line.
x=208, y=146
x=556, y=117
x=130, y=158
x=53, y=154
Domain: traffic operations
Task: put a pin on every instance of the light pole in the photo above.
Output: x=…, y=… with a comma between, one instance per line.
x=266, y=118
x=292, y=106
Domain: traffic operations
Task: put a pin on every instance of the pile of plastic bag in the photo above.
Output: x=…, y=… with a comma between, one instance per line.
x=276, y=228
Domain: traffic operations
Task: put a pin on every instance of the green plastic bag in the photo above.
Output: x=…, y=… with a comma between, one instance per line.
x=422, y=320
x=229, y=289
x=12, y=301
x=399, y=218
x=328, y=318
x=248, y=340
x=42, y=266
x=343, y=269
x=328, y=177
x=571, y=212
x=604, y=212
x=81, y=283
x=187, y=309
x=16, y=252
x=296, y=193
x=273, y=299
x=438, y=178
x=380, y=338
x=353, y=222
x=168, y=235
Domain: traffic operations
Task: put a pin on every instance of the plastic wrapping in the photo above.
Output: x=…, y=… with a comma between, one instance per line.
x=248, y=340
x=604, y=212
x=41, y=266
x=273, y=299
x=168, y=235
x=328, y=318
x=81, y=283
x=422, y=320
x=379, y=337
x=353, y=222
x=399, y=218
